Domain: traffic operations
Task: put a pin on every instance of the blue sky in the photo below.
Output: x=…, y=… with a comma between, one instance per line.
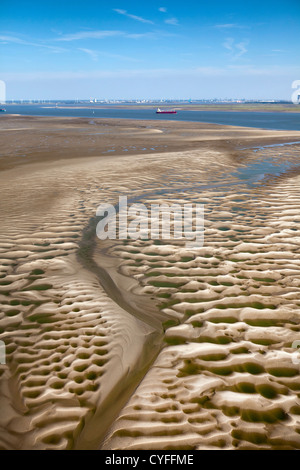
x=159, y=49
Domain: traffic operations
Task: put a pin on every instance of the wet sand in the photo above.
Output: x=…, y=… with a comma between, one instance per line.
x=143, y=345
x=26, y=139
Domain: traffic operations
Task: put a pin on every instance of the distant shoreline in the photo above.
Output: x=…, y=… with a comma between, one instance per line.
x=234, y=107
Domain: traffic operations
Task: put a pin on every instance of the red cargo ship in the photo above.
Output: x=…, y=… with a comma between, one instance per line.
x=166, y=111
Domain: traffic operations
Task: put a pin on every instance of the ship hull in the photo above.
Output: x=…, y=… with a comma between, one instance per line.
x=166, y=112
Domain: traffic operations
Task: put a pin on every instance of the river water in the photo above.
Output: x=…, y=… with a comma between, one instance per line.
x=264, y=120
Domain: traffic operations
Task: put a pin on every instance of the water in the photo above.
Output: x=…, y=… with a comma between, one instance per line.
x=255, y=172
x=263, y=120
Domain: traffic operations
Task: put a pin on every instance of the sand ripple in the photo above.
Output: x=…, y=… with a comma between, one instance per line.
x=229, y=312
x=225, y=378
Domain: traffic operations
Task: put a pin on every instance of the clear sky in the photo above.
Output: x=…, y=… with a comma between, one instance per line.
x=62, y=49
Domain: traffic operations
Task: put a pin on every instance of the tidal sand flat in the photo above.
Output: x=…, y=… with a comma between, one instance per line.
x=146, y=344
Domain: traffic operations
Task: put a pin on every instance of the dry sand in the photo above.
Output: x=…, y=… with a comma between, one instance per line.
x=142, y=345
